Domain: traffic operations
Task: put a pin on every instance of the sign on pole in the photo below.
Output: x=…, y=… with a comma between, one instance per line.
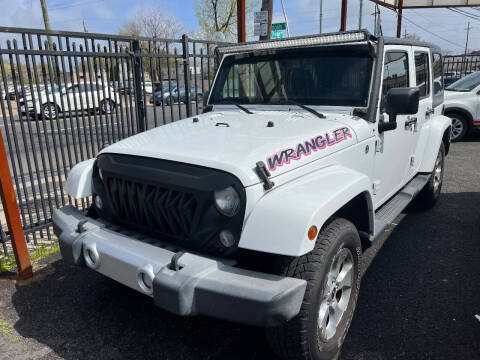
x=260, y=23
x=260, y=17
x=277, y=31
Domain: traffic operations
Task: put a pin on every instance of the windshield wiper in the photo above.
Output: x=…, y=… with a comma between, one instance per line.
x=304, y=107
x=236, y=104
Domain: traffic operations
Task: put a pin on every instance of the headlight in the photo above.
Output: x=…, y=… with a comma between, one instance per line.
x=227, y=201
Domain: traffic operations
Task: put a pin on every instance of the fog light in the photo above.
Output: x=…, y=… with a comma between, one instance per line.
x=98, y=202
x=226, y=238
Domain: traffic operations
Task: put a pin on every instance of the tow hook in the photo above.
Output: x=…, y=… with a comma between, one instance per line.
x=174, y=265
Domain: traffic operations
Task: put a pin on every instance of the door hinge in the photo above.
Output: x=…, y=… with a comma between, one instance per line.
x=264, y=175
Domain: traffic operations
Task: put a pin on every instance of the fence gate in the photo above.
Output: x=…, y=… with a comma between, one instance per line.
x=65, y=95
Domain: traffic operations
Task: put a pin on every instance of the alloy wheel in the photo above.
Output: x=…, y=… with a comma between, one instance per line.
x=50, y=112
x=457, y=128
x=336, y=294
x=437, y=173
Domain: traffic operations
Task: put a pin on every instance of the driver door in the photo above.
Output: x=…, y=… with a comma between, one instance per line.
x=393, y=148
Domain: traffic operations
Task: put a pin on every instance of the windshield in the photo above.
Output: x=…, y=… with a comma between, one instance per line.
x=468, y=83
x=335, y=78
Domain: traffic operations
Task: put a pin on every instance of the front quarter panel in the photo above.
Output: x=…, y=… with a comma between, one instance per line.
x=280, y=220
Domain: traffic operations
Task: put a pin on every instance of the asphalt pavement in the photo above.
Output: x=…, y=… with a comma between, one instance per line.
x=418, y=298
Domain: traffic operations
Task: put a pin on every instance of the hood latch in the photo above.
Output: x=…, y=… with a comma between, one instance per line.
x=264, y=175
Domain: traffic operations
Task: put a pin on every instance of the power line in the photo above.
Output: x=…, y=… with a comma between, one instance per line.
x=430, y=32
x=68, y=6
x=474, y=17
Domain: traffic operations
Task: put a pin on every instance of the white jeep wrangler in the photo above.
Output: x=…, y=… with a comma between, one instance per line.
x=258, y=210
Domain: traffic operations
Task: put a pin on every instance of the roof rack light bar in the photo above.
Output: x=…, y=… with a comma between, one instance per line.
x=332, y=38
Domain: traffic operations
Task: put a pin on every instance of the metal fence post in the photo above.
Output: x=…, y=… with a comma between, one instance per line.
x=186, y=74
x=12, y=215
x=137, y=79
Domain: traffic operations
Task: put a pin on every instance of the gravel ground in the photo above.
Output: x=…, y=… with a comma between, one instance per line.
x=418, y=298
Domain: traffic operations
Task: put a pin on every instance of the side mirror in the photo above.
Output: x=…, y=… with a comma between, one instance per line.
x=400, y=101
x=206, y=93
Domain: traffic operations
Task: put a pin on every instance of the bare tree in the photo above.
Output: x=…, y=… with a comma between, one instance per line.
x=153, y=23
x=220, y=16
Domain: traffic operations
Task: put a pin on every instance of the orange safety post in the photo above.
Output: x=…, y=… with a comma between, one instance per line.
x=10, y=206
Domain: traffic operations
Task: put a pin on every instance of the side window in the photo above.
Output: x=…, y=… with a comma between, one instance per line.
x=395, y=72
x=422, y=73
x=437, y=74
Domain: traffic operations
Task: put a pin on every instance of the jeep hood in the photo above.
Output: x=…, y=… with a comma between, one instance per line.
x=234, y=141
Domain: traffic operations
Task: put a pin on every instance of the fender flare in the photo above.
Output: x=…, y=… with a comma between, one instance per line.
x=79, y=179
x=436, y=134
x=280, y=220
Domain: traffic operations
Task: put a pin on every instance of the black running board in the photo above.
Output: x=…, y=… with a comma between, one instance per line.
x=387, y=213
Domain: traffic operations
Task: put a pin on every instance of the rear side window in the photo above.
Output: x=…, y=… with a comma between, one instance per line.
x=437, y=74
x=395, y=72
x=422, y=73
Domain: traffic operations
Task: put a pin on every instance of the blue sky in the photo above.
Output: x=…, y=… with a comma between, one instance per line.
x=441, y=26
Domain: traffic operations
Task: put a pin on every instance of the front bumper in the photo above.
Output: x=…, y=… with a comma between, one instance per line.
x=198, y=286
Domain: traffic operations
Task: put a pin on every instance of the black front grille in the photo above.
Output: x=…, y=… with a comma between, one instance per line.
x=153, y=208
x=168, y=200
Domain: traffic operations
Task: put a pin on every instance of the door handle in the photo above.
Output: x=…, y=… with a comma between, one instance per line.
x=411, y=120
x=429, y=112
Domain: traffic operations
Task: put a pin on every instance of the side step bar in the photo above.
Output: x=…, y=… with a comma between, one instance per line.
x=385, y=215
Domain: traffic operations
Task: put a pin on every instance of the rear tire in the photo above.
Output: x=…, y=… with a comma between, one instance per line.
x=332, y=272
x=429, y=195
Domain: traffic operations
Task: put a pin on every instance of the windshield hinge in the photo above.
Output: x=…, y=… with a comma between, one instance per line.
x=264, y=175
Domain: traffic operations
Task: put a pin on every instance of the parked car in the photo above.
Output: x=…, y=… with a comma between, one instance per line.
x=258, y=210
x=81, y=96
x=167, y=96
x=462, y=104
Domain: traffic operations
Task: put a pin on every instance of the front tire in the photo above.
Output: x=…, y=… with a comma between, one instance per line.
x=49, y=111
x=332, y=272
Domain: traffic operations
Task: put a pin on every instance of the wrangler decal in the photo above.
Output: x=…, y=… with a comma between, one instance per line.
x=305, y=148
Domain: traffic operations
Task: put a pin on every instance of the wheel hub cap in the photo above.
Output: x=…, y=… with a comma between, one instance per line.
x=336, y=294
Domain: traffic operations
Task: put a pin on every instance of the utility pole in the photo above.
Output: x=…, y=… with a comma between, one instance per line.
x=242, y=33
x=399, y=18
x=405, y=33
x=466, y=42
x=321, y=15
x=267, y=5
x=360, y=15
x=46, y=21
x=84, y=26
x=343, y=22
